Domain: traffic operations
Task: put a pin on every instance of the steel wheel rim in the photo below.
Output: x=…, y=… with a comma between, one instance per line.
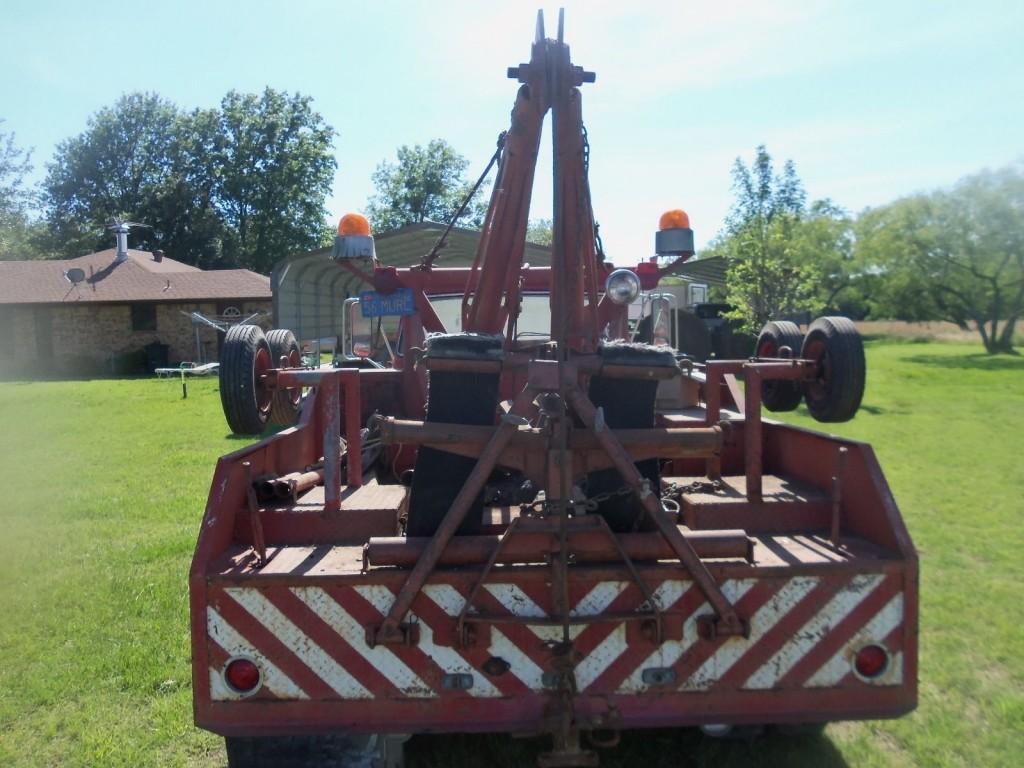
x=261, y=366
x=294, y=361
x=816, y=349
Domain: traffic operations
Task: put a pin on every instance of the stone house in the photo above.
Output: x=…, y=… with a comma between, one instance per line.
x=112, y=311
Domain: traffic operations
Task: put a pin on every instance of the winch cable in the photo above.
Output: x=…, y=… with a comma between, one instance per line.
x=428, y=260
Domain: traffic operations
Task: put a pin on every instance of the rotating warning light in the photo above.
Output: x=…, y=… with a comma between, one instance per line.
x=353, y=224
x=354, y=240
x=674, y=236
x=677, y=218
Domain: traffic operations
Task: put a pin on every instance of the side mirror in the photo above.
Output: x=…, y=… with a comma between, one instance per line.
x=357, y=333
x=657, y=319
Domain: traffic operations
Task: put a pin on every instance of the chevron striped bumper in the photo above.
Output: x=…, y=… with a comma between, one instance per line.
x=308, y=634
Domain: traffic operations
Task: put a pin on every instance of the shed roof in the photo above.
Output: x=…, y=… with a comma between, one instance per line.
x=140, y=277
x=711, y=271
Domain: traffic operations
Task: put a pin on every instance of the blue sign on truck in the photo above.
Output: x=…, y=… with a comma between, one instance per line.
x=377, y=304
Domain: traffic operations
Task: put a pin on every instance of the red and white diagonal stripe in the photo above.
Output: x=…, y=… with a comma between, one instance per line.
x=310, y=641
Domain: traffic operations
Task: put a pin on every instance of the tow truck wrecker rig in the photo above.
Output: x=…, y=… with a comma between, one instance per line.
x=569, y=534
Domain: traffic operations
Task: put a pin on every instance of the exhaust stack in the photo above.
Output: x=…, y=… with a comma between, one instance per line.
x=121, y=231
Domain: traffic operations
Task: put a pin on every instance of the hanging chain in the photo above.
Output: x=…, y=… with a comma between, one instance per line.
x=598, y=245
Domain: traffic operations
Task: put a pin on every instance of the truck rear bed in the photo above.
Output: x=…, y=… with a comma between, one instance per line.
x=306, y=619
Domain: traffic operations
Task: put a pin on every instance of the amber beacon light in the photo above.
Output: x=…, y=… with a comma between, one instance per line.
x=674, y=236
x=354, y=240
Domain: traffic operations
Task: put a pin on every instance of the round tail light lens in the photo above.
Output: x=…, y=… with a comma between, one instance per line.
x=242, y=675
x=871, y=661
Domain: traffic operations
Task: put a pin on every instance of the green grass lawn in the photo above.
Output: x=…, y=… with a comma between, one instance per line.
x=104, y=485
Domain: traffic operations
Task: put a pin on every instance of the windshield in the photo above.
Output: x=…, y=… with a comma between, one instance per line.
x=534, y=320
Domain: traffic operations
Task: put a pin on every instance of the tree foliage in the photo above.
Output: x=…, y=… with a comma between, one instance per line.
x=242, y=185
x=767, y=276
x=540, y=232
x=823, y=240
x=425, y=184
x=275, y=173
x=956, y=255
x=18, y=232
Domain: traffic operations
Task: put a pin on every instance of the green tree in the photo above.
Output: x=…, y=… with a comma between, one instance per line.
x=275, y=171
x=243, y=185
x=19, y=233
x=117, y=168
x=823, y=240
x=425, y=184
x=767, y=277
x=540, y=232
x=955, y=255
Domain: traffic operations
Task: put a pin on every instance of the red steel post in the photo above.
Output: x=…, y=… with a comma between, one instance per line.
x=752, y=432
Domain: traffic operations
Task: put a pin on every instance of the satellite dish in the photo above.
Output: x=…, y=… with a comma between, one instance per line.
x=75, y=275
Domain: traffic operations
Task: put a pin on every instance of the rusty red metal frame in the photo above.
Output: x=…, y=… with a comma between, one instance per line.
x=755, y=371
x=553, y=432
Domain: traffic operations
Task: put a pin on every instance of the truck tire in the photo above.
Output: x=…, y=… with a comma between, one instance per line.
x=284, y=407
x=455, y=398
x=777, y=395
x=836, y=393
x=627, y=403
x=244, y=357
x=322, y=751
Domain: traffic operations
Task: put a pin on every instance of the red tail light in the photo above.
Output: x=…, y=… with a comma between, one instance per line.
x=871, y=661
x=242, y=675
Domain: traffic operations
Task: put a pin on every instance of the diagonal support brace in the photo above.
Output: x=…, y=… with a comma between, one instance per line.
x=391, y=630
x=728, y=622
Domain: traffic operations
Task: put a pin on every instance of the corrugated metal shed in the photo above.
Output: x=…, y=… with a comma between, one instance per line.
x=309, y=289
x=710, y=271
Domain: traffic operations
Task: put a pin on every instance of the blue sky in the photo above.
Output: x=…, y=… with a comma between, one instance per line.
x=872, y=100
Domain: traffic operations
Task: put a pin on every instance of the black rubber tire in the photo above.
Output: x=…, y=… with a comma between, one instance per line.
x=455, y=398
x=837, y=392
x=239, y=395
x=321, y=751
x=284, y=408
x=627, y=404
x=800, y=730
x=779, y=396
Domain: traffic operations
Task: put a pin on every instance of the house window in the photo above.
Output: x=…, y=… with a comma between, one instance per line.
x=6, y=330
x=143, y=317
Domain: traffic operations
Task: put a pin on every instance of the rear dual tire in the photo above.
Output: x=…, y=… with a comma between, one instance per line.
x=246, y=356
x=835, y=393
x=320, y=751
x=780, y=395
x=284, y=349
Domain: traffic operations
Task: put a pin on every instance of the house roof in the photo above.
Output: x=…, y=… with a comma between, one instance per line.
x=138, y=278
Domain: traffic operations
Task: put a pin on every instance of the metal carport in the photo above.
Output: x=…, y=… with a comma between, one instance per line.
x=309, y=288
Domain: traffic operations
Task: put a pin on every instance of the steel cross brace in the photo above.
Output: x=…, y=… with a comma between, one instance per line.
x=648, y=611
x=391, y=630
x=728, y=621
